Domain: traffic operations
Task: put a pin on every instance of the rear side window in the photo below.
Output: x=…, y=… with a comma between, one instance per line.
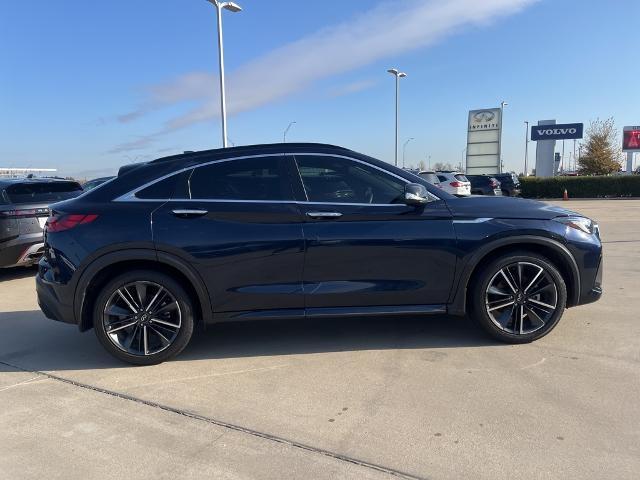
x=461, y=178
x=162, y=190
x=262, y=178
x=442, y=178
x=42, y=192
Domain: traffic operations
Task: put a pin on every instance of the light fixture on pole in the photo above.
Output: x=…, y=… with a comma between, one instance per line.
x=526, y=149
x=232, y=7
x=502, y=105
x=404, y=149
x=286, y=130
x=398, y=74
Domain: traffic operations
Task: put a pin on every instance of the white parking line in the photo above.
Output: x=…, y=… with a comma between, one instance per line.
x=31, y=380
x=234, y=372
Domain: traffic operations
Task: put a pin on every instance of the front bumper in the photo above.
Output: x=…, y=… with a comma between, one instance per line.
x=594, y=294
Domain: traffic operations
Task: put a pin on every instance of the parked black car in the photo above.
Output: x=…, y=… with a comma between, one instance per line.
x=24, y=208
x=509, y=184
x=302, y=230
x=96, y=182
x=484, y=185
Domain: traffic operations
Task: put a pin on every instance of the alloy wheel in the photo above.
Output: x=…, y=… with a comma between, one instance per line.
x=521, y=298
x=142, y=318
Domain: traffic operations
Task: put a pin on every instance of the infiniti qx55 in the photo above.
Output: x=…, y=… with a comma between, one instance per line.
x=302, y=230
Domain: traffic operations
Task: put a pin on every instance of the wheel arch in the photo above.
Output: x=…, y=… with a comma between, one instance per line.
x=555, y=251
x=105, y=267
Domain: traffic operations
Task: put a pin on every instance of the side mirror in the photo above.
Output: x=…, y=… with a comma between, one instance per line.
x=415, y=194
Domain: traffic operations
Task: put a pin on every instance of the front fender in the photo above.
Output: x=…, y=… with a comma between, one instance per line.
x=457, y=305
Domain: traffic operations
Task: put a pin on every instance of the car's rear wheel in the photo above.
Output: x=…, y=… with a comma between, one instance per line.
x=519, y=297
x=143, y=317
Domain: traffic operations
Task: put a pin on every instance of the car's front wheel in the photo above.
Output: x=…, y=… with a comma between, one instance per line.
x=143, y=317
x=519, y=297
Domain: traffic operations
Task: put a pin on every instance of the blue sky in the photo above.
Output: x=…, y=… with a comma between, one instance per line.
x=89, y=86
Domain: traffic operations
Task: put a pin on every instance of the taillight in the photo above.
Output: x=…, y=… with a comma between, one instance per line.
x=456, y=184
x=30, y=212
x=60, y=223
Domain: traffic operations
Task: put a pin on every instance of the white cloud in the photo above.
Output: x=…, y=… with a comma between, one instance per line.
x=353, y=87
x=390, y=28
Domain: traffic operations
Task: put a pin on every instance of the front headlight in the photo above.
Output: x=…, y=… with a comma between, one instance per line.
x=583, y=224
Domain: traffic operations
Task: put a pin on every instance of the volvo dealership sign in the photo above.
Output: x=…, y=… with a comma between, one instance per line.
x=483, y=141
x=565, y=131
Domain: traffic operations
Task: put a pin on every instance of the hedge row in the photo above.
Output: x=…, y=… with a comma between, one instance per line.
x=581, y=187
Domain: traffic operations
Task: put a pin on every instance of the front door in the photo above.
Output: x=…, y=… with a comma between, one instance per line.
x=364, y=246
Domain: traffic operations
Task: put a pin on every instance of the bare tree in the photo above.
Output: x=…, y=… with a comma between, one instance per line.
x=443, y=166
x=601, y=153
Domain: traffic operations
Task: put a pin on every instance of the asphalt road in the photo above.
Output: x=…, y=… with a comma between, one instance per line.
x=416, y=398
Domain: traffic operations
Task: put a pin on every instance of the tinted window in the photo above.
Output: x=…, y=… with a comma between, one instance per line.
x=442, y=178
x=339, y=180
x=461, y=178
x=159, y=190
x=248, y=179
x=42, y=192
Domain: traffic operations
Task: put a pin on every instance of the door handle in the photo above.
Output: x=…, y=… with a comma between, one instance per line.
x=189, y=213
x=324, y=214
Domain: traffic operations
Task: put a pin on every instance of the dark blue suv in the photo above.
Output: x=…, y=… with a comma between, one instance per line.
x=302, y=230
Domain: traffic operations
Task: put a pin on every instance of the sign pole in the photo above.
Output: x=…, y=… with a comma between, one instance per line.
x=629, y=163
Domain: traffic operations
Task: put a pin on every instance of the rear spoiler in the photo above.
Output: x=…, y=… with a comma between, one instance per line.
x=128, y=168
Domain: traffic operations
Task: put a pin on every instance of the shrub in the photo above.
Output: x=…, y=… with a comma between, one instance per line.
x=581, y=187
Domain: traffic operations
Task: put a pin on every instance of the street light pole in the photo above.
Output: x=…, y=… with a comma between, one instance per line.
x=284, y=136
x=502, y=105
x=526, y=149
x=232, y=7
x=398, y=74
x=404, y=149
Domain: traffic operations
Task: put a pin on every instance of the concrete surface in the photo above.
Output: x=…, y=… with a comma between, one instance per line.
x=415, y=398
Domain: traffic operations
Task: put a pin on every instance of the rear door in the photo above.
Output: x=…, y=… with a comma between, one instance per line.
x=237, y=223
x=364, y=246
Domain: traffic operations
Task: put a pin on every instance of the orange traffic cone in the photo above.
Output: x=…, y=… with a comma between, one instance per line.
x=565, y=196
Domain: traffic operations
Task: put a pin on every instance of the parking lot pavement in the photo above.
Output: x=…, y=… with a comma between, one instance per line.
x=413, y=397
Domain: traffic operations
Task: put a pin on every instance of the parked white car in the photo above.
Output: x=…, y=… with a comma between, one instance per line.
x=455, y=183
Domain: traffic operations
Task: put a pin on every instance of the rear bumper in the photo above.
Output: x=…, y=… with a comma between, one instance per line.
x=54, y=299
x=22, y=251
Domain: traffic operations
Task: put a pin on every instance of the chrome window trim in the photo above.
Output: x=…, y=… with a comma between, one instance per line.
x=131, y=195
x=474, y=220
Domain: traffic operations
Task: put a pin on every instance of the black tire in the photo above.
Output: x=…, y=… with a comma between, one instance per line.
x=505, y=324
x=176, y=342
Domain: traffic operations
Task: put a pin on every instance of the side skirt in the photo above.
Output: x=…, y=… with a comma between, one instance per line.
x=330, y=312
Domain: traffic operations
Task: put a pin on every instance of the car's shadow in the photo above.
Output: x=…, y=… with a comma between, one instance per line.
x=30, y=341
x=15, y=273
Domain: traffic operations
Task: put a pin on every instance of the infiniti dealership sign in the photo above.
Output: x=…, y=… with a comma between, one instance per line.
x=566, y=131
x=483, y=141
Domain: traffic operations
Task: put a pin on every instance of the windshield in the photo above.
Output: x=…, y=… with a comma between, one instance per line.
x=42, y=192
